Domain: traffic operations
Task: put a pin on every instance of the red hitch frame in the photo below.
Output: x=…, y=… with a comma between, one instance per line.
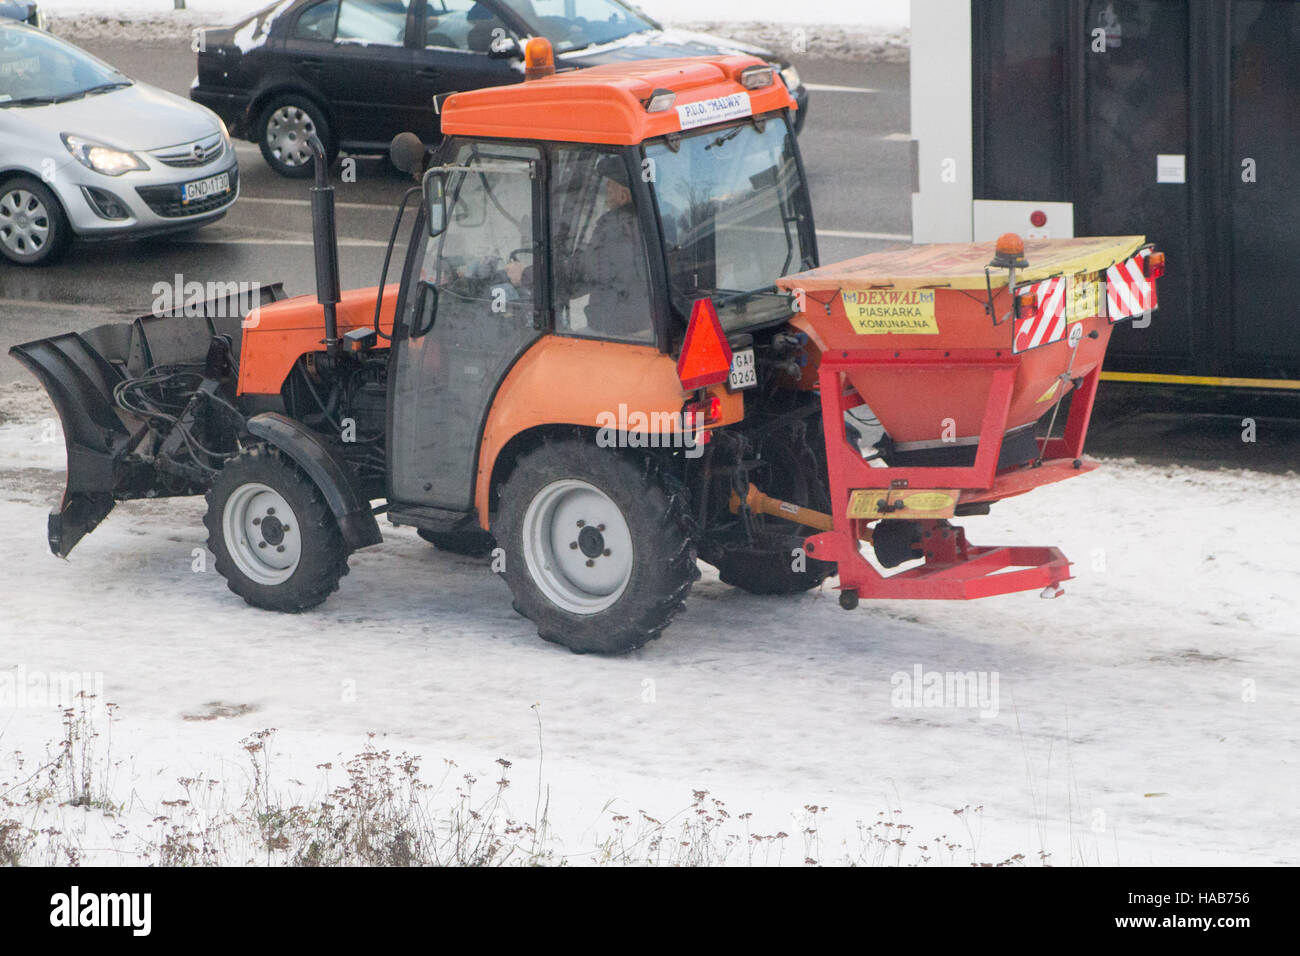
x=953, y=569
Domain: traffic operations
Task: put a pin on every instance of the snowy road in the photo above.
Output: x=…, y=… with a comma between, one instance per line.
x=1150, y=715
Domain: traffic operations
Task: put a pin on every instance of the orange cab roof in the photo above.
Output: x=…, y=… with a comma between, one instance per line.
x=606, y=104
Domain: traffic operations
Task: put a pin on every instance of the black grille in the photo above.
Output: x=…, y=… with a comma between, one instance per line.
x=165, y=201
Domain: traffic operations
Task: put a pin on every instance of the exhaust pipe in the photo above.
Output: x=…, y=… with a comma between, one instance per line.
x=325, y=242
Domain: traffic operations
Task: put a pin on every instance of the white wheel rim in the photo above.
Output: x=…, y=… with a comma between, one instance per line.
x=286, y=135
x=24, y=223
x=262, y=533
x=577, y=546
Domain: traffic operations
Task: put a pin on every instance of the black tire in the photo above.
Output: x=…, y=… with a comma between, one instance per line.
x=323, y=556
x=771, y=569
x=660, y=554
x=33, y=228
x=473, y=543
x=290, y=156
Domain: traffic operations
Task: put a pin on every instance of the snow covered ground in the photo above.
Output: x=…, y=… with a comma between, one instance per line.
x=1149, y=716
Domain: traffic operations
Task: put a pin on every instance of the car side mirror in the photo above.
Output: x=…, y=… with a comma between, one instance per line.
x=435, y=201
x=505, y=47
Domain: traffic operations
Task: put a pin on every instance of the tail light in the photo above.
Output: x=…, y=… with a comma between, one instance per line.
x=697, y=416
x=706, y=356
x=1154, y=265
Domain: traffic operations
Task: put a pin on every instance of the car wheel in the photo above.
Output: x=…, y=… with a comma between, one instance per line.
x=286, y=124
x=33, y=229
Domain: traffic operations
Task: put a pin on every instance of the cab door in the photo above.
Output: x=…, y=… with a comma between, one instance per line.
x=474, y=304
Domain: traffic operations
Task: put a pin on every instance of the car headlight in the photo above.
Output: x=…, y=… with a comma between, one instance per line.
x=791, y=77
x=100, y=158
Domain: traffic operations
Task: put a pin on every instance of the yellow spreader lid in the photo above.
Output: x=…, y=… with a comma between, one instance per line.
x=960, y=265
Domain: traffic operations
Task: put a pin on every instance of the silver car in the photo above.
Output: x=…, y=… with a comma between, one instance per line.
x=87, y=152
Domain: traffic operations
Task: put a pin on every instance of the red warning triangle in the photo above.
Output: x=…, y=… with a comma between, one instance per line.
x=706, y=356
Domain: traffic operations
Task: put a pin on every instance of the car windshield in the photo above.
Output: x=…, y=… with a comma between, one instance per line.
x=734, y=211
x=37, y=69
x=575, y=24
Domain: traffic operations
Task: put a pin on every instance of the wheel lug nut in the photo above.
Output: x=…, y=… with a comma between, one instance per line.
x=261, y=544
x=573, y=545
x=270, y=511
x=581, y=523
x=257, y=521
x=607, y=552
x=591, y=563
x=280, y=548
x=600, y=527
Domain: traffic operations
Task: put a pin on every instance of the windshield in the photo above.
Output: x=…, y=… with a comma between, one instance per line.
x=36, y=68
x=734, y=207
x=574, y=24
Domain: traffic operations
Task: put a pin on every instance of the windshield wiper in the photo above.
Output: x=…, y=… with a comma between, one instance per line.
x=728, y=296
x=721, y=140
x=101, y=88
x=107, y=87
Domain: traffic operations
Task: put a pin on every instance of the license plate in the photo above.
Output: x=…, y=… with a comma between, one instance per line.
x=206, y=188
x=744, y=373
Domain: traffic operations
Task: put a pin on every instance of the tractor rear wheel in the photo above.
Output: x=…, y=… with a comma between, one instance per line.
x=473, y=543
x=276, y=541
x=596, y=549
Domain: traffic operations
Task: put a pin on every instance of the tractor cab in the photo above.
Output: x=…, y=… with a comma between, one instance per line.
x=634, y=190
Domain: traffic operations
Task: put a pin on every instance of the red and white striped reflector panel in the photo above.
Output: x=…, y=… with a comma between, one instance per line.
x=1044, y=323
x=1128, y=291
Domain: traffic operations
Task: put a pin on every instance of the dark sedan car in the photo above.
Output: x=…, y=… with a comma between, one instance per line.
x=357, y=72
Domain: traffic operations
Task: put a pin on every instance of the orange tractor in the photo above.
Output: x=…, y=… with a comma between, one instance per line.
x=612, y=351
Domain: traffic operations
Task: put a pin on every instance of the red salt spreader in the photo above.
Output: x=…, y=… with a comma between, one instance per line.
x=963, y=353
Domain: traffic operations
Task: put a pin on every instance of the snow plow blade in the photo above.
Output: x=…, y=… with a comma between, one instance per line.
x=81, y=370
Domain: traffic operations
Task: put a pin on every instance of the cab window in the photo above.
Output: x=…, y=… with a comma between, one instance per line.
x=317, y=22
x=600, y=276
x=372, y=21
x=461, y=25
x=482, y=265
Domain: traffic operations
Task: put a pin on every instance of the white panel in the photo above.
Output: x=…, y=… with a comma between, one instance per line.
x=994, y=217
x=941, y=120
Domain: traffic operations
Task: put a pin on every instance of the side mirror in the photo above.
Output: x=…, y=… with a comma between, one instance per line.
x=407, y=153
x=435, y=201
x=504, y=47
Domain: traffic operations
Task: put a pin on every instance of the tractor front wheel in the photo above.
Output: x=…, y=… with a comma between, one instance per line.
x=596, y=550
x=276, y=541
